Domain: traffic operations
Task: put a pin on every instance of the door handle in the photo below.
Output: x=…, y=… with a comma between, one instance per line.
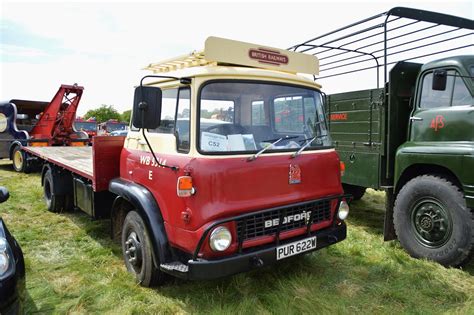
x=414, y=118
x=142, y=142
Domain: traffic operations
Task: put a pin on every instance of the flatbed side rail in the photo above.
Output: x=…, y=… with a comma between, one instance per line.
x=400, y=34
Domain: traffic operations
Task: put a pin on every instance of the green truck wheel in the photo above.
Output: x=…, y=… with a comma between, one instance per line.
x=432, y=221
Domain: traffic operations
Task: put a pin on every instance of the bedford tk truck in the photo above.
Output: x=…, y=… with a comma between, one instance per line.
x=413, y=136
x=228, y=166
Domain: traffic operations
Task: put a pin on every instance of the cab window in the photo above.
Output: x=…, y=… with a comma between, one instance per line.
x=168, y=111
x=183, y=120
x=432, y=98
x=461, y=95
x=455, y=94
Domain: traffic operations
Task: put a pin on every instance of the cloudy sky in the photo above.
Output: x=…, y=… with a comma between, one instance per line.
x=103, y=45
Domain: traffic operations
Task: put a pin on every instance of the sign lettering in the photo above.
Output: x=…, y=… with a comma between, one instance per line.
x=339, y=116
x=272, y=57
x=437, y=123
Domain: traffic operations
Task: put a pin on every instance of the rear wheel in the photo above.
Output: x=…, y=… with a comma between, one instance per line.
x=138, y=252
x=357, y=192
x=19, y=159
x=54, y=202
x=432, y=221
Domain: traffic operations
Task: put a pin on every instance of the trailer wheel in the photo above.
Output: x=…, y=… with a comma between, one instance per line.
x=432, y=221
x=19, y=159
x=357, y=192
x=137, y=251
x=54, y=203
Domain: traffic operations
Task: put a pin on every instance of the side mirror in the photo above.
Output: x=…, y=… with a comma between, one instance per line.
x=147, y=107
x=3, y=194
x=439, y=80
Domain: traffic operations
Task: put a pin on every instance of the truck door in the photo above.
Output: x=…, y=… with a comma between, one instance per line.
x=446, y=115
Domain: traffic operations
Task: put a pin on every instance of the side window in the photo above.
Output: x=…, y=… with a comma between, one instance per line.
x=183, y=119
x=288, y=114
x=431, y=98
x=461, y=95
x=168, y=111
x=258, y=114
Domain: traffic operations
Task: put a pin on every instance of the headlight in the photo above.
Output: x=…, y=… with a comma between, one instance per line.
x=220, y=239
x=4, y=261
x=343, y=210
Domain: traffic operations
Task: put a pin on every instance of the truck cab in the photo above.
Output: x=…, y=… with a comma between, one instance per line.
x=441, y=125
x=236, y=170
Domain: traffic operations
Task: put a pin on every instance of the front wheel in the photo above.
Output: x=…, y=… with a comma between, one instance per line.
x=138, y=252
x=432, y=221
x=19, y=159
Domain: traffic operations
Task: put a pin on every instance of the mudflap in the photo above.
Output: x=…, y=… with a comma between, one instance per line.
x=389, y=233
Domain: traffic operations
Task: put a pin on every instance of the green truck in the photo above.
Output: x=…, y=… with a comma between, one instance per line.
x=413, y=135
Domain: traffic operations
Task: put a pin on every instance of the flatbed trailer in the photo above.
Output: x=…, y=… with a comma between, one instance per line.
x=91, y=169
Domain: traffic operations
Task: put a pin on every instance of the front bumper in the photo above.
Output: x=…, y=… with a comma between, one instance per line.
x=200, y=269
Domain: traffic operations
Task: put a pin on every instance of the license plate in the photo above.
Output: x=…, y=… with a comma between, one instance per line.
x=295, y=248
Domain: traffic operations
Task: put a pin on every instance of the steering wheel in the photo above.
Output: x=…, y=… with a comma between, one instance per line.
x=226, y=129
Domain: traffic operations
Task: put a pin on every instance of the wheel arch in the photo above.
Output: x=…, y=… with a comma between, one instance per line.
x=420, y=169
x=13, y=145
x=132, y=196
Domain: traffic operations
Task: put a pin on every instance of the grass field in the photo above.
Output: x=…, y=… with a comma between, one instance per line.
x=74, y=267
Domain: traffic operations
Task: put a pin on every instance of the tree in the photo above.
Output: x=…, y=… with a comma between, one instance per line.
x=126, y=116
x=103, y=113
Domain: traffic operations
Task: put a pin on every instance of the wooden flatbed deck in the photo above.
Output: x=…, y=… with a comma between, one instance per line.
x=75, y=159
x=98, y=163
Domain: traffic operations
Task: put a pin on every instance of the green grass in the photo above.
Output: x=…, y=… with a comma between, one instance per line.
x=74, y=267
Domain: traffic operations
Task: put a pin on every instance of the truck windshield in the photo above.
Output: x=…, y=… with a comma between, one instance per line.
x=245, y=117
x=85, y=126
x=115, y=126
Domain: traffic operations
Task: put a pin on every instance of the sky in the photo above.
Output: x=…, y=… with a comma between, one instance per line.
x=104, y=45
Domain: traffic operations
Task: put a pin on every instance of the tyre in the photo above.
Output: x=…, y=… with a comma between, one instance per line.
x=54, y=202
x=357, y=192
x=138, y=251
x=432, y=221
x=19, y=159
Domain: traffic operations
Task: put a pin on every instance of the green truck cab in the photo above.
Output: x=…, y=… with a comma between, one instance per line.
x=412, y=136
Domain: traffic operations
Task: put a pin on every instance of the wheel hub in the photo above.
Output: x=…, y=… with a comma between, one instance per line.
x=18, y=159
x=426, y=223
x=133, y=251
x=432, y=223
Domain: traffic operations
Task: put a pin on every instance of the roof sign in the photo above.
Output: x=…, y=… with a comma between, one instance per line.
x=229, y=51
x=225, y=51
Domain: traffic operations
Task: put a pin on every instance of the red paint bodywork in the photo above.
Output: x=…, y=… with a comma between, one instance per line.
x=105, y=160
x=231, y=186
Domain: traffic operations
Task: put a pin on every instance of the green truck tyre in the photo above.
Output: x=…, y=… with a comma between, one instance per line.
x=432, y=221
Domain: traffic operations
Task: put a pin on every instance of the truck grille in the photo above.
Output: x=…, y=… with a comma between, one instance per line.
x=254, y=226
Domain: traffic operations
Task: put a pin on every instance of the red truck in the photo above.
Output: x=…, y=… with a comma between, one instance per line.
x=208, y=183
x=34, y=123
x=88, y=126
x=112, y=127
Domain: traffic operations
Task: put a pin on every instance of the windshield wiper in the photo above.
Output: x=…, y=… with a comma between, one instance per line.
x=275, y=141
x=307, y=144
